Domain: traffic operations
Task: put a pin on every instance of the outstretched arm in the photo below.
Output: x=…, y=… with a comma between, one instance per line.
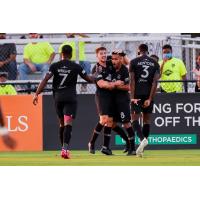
x=41, y=86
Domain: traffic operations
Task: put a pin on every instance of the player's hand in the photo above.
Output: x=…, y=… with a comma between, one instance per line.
x=35, y=100
x=119, y=83
x=135, y=101
x=147, y=103
x=9, y=142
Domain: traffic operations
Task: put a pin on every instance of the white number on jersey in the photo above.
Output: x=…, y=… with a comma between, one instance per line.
x=64, y=78
x=146, y=72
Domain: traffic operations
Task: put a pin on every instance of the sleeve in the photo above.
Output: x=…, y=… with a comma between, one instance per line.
x=183, y=70
x=26, y=52
x=13, y=49
x=81, y=71
x=126, y=77
x=49, y=49
x=52, y=69
x=11, y=90
x=132, y=65
x=157, y=68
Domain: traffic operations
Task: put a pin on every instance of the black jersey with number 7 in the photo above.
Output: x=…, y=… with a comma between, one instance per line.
x=65, y=75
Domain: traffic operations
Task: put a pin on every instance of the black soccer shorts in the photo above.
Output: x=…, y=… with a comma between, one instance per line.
x=104, y=104
x=139, y=108
x=121, y=110
x=66, y=108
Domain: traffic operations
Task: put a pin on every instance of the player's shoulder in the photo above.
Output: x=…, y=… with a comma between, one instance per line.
x=124, y=68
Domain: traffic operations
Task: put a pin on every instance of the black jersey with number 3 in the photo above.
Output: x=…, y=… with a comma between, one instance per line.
x=65, y=75
x=144, y=69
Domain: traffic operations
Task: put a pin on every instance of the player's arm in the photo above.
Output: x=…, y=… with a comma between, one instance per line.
x=123, y=87
x=153, y=90
x=41, y=86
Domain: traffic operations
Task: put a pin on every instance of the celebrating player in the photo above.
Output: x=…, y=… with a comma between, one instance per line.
x=144, y=73
x=121, y=99
x=64, y=74
x=103, y=97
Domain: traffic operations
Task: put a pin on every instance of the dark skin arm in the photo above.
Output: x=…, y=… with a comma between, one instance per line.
x=184, y=78
x=40, y=88
x=132, y=88
x=153, y=90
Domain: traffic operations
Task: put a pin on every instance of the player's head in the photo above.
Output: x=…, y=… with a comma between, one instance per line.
x=167, y=51
x=101, y=54
x=2, y=36
x=198, y=60
x=117, y=59
x=155, y=57
x=33, y=35
x=66, y=52
x=142, y=49
x=3, y=76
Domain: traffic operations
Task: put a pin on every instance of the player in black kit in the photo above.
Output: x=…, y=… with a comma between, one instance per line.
x=144, y=74
x=103, y=72
x=121, y=99
x=64, y=74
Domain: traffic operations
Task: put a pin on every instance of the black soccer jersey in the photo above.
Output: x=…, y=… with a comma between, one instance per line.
x=103, y=73
x=144, y=69
x=122, y=75
x=65, y=75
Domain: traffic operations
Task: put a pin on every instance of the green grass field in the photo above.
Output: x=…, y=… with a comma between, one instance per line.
x=83, y=158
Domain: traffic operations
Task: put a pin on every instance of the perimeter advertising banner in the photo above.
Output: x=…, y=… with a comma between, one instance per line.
x=175, y=122
x=24, y=122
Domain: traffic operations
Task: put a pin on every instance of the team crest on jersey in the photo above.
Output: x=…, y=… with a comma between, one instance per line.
x=119, y=76
x=173, y=65
x=168, y=72
x=64, y=67
x=109, y=78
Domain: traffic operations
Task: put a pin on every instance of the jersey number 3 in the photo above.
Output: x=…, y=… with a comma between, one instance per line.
x=145, y=71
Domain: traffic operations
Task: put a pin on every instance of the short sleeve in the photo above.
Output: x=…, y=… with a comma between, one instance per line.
x=183, y=70
x=26, y=52
x=52, y=69
x=132, y=66
x=157, y=68
x=126, y=76
x=81, y=71
x=49, y=49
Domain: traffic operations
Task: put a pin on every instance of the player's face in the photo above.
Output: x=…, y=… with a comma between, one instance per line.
x=102, y=55
x=116, y=61
x=167, y=53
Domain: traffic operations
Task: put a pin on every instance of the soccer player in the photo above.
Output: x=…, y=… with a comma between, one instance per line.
x=144, y=74
x=121, y=99
x=64, y=74
x=103, y=98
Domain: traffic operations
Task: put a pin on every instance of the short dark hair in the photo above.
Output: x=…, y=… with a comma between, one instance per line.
x=67, y=50
x=143, y=48
x=100, y=49
x=154, y=56
x=167, y=46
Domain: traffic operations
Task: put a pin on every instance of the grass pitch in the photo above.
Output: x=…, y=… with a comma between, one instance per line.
x=83, y=158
